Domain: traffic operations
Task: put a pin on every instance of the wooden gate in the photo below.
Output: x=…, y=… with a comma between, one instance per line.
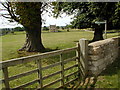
x=77, y=68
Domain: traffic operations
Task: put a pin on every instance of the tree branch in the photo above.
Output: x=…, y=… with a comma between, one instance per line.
x=5, y=16
x=8, y=7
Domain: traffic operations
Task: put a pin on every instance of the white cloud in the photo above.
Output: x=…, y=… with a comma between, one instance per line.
x=60, y=21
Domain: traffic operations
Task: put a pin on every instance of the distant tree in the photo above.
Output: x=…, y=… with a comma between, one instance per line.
x=12, y=32
x=68, y=26
x=19, y=29
x=28, y=14
x=5, y=31
x=45, y=28
x=58, y=27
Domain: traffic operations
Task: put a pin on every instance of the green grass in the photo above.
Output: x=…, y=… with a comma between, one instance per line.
x=110, y=77
x=11, y=43
x=59, y=40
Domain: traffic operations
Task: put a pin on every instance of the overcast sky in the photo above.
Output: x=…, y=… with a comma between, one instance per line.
x=49, y=20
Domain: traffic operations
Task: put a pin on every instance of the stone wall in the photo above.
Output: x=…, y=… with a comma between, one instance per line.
x=102, y=53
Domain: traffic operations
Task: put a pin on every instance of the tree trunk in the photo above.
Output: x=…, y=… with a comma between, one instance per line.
x=33, y=29
x=98, y=34
x=33, y=41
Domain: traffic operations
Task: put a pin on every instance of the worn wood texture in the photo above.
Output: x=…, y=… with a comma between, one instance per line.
x=23, y=74
x=40, y=72
x=62, y=70
x=25, y=85
x=22, y=60
x=6, y=80
x=84, y=55
x=58, y=80
x=51, y=75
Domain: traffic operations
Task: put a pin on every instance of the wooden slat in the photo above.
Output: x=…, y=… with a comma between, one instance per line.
x=51, y=75
x=40, y=73
x=23, y=74
x=6, y=80
x=17, y=61
x=58, y=71
x=71, y=67
x=50, y=66
x=58, y=80
x=26, y=84
x=0, y=66
x=66, y=83
x=62, y=70
x=78, y=60
x=71, y=81
x=22, y=60
x=58, y=88
x=80, y=66
x=71, y=74
x=70, y=59
x=58, y=63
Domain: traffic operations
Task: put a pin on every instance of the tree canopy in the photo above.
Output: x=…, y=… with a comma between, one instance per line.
x=86, y=13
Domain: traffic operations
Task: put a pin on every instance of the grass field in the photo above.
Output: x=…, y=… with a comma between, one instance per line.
x=59, y=40
x=11, y=43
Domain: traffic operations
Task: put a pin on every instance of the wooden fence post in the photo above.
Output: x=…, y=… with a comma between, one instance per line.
x=5, y=72
x=40, y=73
x=84, y=55
x=80, y=74
x=62, y=70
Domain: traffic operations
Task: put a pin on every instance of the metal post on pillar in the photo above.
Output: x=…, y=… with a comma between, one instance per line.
x=105, y=29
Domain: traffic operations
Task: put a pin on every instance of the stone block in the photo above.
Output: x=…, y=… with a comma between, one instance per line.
x=93, y=68
x=96, y=57
x=95, y=73
x=95, y=50
x=102, y=66
x=98, y=62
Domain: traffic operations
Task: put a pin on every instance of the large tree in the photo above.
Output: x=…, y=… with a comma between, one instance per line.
x=86, y=13
x=27, y=14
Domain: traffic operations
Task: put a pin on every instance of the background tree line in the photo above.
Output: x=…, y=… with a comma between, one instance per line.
x=4, y=31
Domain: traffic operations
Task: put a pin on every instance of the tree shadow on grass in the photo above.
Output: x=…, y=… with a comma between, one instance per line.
x=89, y=41
x=50, y=50
x=25, y=53
x=87, y=83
